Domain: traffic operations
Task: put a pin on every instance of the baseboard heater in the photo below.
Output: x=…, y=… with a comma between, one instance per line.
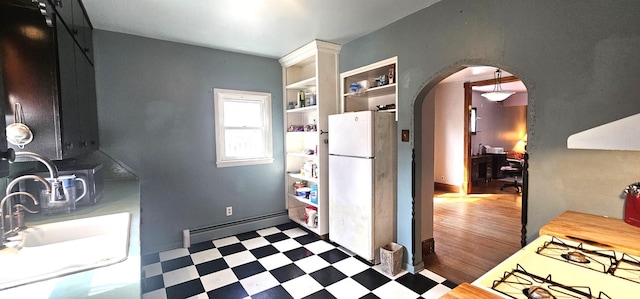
x=202, y=234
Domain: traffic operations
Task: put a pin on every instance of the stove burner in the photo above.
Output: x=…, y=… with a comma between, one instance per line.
x=575, y=256
x=518, y=283
x=537, y=292
x=597, y=260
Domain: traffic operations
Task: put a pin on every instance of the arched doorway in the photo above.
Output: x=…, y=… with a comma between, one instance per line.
x=423, y=116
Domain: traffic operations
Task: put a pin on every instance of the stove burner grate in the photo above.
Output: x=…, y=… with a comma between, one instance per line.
x=597, y=260
x=628, y=267
x=518, y=283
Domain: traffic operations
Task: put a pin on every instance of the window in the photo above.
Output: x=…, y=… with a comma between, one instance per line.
x=473, y=121
x=243, y=127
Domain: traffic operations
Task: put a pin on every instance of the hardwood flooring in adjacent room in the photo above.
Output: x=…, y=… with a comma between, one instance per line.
x=474, y=233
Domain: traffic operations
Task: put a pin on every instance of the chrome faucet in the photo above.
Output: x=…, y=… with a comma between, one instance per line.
x=53, y=170
x=29, y=177
x=56, y=190
x=9, y=195
x=5, y=233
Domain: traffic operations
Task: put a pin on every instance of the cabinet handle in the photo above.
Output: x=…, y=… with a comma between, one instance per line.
x=9, y=155
x=84, y=143
x=69, y=145
x=58, y=3
x=43, y=8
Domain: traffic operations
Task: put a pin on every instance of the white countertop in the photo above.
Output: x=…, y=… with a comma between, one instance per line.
x=121, y=280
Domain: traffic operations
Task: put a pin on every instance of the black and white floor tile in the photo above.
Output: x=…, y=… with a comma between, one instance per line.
x=278, y=262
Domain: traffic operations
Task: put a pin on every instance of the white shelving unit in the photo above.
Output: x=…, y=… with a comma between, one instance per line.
x=373, y=94
x=312, y=69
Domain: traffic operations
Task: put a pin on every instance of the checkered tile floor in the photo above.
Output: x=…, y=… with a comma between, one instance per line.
x=278, y=262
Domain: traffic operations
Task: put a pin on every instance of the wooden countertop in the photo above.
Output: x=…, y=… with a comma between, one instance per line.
x=609, y=233
x=466, y=291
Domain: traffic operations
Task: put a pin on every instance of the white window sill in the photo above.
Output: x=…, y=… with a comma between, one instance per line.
x=244, y=162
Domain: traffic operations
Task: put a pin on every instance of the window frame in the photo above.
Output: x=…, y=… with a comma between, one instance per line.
x=223, y=95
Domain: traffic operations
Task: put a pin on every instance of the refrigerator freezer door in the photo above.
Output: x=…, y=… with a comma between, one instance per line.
x=351, y=204
x=350, y=134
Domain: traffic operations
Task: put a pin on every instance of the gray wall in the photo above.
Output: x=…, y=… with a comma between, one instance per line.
x=156, y=117
x=579, y=62
x=500, y=125
x=449, y=151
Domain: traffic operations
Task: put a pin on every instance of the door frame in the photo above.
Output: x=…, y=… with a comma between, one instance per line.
x=467, y=184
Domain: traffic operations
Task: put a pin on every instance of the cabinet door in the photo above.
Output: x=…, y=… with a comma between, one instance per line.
x=65, y=10
x=475, y=168
x=68, y=109
x=29, y=72
x=79, y=24
x=88, y=39
x=4, y=163
x=88, y=117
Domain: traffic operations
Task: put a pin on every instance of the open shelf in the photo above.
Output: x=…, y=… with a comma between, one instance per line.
x=304, y=84
x=370, y=99
x=301, y=155
x=302, y=223
x=303, y=178
x=374, y=91
x=303, y=109
x=313, y=70
x=303, y=132
x=303, y=200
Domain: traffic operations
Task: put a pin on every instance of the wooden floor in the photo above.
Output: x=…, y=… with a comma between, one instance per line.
x=474, y=233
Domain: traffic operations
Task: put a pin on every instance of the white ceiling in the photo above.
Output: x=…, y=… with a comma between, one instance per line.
x=478, y=73
x=270, y=28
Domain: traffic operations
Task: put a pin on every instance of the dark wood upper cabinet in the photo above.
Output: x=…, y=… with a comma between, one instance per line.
x=46, y=68
x=4, y=163
x=65, y=10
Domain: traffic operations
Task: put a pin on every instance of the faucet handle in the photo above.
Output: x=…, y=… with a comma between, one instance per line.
x=18, y=215
x=58, y=189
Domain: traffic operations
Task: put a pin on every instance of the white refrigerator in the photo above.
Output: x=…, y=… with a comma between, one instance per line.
x=362, y=181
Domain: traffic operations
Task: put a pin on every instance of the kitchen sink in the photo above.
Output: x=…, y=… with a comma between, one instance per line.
x=55, y=249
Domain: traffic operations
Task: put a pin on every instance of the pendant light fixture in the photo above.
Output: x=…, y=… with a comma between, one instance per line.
x=497, y=94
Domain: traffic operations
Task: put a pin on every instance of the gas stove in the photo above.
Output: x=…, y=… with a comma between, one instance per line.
x=628, y=268
x=551, y=267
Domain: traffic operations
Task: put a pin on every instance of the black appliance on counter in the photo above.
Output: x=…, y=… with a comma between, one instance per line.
x=91, y=173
